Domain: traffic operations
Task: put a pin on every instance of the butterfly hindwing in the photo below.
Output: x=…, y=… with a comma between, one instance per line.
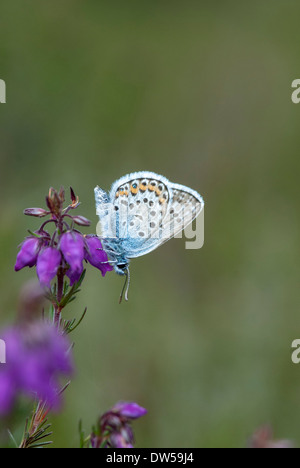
x=185, y=206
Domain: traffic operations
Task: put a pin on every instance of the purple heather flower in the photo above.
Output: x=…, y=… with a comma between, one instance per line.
x=61, y=253
x=28, y=253
x=81, y=221
x=72, y=247
x=129, y=410
x=7, y=392
x=47, y=265
x=95, y=254
x=115, y=428
x=119, y=441
x=37, y=212
x=36, y=356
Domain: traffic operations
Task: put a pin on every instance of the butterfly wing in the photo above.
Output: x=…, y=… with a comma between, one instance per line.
x=148, y=210
x=185, y=206
x=140, y=203
x=105, y=213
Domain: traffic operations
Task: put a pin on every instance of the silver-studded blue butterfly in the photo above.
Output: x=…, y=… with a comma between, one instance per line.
x=142, y=211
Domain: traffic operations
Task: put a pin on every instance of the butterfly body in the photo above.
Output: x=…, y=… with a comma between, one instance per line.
x=141, y=212
x=117, y=255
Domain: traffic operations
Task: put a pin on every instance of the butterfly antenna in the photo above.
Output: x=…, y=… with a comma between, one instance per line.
x=125, y=287
x=128, y=284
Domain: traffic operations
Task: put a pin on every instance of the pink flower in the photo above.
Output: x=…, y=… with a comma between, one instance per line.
x=47, y=265
x=114, y=427
x=72, y=248
x=95, y=254
x=36, y=357
x=129, y=410
x=28, y=253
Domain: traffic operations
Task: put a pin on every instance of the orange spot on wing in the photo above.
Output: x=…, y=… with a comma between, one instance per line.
x=143, y=188
x=134, y=191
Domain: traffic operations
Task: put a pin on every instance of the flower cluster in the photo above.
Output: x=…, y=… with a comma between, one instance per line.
x=37, y=355
x=65, y=250
x=114, y=429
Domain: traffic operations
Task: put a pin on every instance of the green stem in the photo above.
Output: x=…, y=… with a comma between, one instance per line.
x=60, y=291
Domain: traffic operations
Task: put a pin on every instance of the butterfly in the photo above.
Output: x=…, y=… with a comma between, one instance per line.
x=142, y=211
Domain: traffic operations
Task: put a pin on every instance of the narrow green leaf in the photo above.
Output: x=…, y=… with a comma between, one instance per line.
x=41, y=444
x=12, y=438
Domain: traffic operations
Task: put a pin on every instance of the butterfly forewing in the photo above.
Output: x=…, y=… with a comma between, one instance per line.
x=106, y=227
x=140, y=204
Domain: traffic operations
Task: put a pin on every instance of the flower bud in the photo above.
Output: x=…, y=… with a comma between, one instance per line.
x=54, y=202
x=73, y=196
x=129, y=410
x=61, y=194
x=74, y=199
x=37, y=212
x=81, y=221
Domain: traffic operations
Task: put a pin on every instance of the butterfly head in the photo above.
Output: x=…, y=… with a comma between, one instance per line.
x=120, y=263
x=121, y=268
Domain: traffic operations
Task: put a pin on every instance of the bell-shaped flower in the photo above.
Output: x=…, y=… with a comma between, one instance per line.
x=95, y=254
x=47, y=265
x=72, y=248
x=27, y=257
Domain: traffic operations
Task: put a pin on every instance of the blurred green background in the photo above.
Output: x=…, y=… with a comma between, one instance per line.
x=201, y=93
